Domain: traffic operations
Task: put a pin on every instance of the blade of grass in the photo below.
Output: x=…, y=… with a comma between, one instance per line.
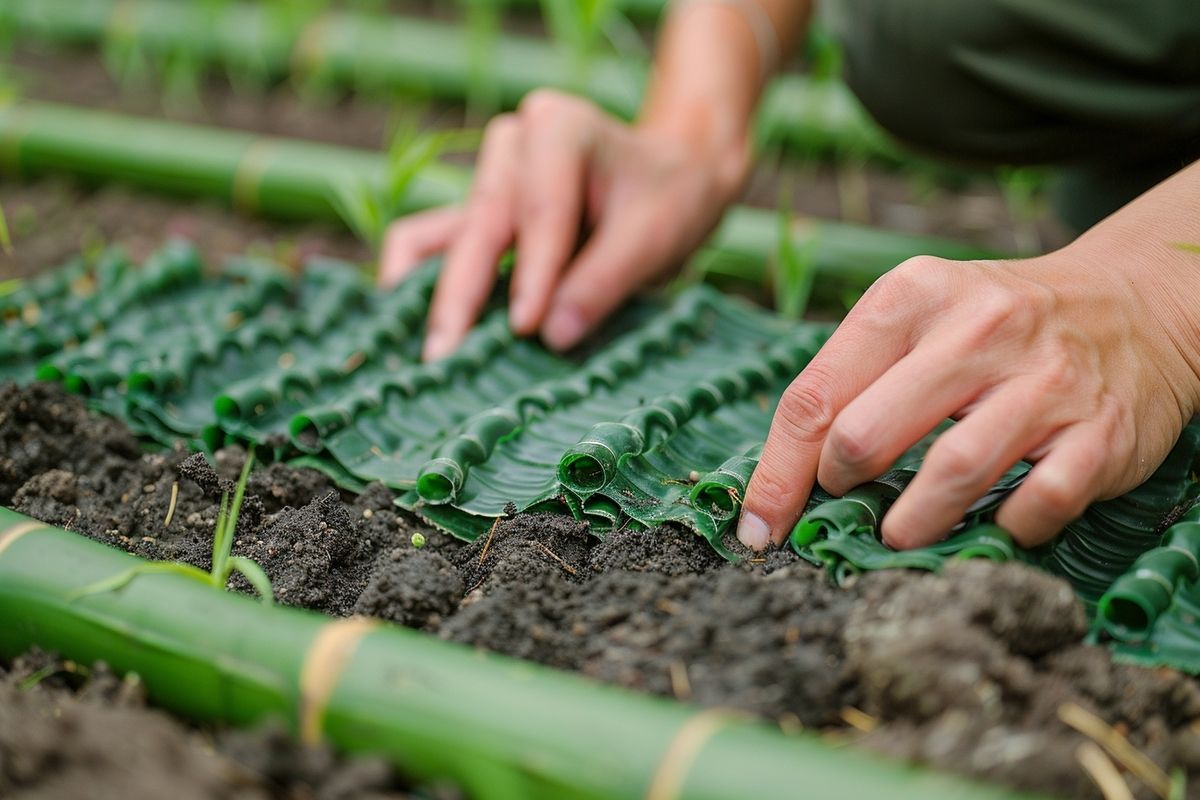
x=223, y=542
x=219, y=546
x=123, y=579
x=253, y=573
x=795, y=268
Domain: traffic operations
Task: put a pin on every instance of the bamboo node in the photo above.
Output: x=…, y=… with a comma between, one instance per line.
x=323, y=666
x=685, y=747
x=10, y=536
x=247, y=176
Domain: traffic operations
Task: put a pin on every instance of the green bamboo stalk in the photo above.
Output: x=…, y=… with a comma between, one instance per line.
x=498, y=727
x=374, y=52
x=293, y=179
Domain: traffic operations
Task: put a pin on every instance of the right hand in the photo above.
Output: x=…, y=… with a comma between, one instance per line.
x=557, y=172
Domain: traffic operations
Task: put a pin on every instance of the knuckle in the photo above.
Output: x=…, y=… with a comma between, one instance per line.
x=999, y=313
x=853, y=444
x=499, y=129
x=502, y=123
x=1060, y=374
x=1056, y=495
x=805, y=410
x=918, y=276
x=956, y=461
x=770, y=493
x=540, y=104
x=539, y=207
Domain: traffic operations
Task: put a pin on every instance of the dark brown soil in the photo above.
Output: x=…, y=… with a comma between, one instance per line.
x=68, y=731
x=965, y=670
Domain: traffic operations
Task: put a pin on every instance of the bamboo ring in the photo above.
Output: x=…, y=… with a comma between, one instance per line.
x=323, y=666
x=684, y=748
x=247, y=175
x=10, y=536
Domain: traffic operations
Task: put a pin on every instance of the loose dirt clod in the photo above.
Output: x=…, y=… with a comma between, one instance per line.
x=66, y=734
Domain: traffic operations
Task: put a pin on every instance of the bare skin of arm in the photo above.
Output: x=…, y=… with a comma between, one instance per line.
x=641, y=197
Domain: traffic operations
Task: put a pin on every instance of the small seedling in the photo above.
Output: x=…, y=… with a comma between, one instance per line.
x=223, y=563
x=795, y=267
x=418, y=540
x=367, y=210
x=577, y=25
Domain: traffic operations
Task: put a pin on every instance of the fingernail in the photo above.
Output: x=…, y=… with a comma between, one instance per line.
x=753, y=532
x=564, y=328
x=437, y=345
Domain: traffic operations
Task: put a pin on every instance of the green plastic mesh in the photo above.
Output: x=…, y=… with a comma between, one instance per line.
x=661, y=419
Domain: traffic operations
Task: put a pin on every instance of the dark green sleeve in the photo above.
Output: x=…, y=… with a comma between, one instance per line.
x=1110, y=89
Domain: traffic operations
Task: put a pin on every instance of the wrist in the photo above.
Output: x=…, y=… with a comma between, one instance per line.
x=708, y=137
x=1158, y=278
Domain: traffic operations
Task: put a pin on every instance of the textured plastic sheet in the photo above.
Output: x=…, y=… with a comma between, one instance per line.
x=661, y=420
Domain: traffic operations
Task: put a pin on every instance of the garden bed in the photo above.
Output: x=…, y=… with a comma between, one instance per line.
x=975, y=671
x=968, y=670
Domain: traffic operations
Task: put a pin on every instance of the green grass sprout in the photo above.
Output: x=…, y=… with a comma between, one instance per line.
x=368, y=209
x=224, y=565
x=795, y=267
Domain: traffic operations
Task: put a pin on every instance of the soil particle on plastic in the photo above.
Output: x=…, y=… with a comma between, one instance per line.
x=66, y=731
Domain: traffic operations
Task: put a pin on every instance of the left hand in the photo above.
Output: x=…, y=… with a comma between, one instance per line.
x=1083, y=361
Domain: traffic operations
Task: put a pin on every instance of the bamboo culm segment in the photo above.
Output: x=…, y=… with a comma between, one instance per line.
x=498, y=728
x=385, y=53
x=293, y=179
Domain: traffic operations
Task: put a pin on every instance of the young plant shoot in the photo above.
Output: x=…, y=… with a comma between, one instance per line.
x=224, y=564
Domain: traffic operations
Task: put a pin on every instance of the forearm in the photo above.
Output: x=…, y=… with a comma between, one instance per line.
x=708, y=72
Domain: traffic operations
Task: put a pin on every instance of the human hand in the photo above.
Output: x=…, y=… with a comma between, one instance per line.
x=558, y=170
x=1083, y=361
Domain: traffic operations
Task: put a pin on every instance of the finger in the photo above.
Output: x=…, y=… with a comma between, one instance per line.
x=487, y=230
x=555, y=145
x=854, y=357
x=908, y=401
x=1060, y=486
x=617, y=259
x=412, y=239
x=968, y=459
